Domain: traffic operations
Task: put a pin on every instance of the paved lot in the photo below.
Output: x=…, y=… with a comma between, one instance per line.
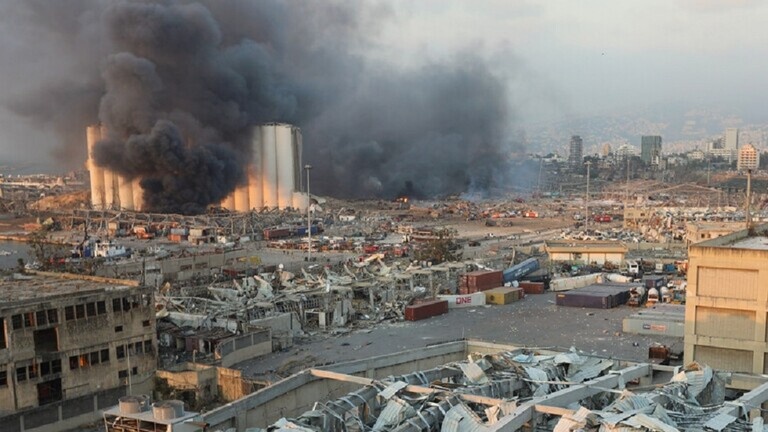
x=534, y=322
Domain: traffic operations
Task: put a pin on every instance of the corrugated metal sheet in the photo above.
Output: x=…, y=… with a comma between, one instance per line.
x=577, y=421
x=538, y=375
x=474, y=373
x=591, y=368
x=461, y=419
x=720, y=422
x=393, y=413
x=392, y=389
x=645, y=421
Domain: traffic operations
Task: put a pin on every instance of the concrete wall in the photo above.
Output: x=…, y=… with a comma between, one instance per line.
x=69, y=414
x=244, y=347
x=298, y=393
x=727, y=306
x=174, y=268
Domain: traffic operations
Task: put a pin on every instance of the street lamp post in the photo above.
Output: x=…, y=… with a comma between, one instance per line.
x=309, y=217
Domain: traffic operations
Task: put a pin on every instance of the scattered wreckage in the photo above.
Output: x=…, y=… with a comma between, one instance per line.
x=533, y=390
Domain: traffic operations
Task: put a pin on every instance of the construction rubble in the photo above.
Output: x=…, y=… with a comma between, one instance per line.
x=560, y=392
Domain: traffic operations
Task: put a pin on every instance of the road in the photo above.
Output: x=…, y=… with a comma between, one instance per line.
x=534, y=321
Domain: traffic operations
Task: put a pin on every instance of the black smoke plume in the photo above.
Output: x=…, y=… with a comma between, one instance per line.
x=182, y=82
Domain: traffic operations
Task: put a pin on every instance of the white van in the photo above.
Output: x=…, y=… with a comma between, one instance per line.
x=633, y=267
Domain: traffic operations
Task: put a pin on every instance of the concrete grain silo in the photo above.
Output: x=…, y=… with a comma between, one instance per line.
x=96, y=173
x=125, y=192
x=286, y=174
x=138, y=195
x=269, y=174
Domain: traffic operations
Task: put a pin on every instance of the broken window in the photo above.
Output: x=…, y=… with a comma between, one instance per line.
x=29, y=319
x=116, y=303
x=53, y=316
x=56, y=366
x=122, y=374
x=95, y=358
x=49, y=391
x=69, y=313
x=101, y=307
x=145, y=323
x=80, y=311
x=148, y=346
x=74, y=362
x=120, y=351
x=84, y=360
x=3, y=340
x=126, y=304
x=33, y=370
x=45, y=368
x=118, y=329
x=134, y=370
x=90, y=309
x=42, y=318
x=21, y=374
x=46, y=340
x=17, y=322
x=139, y=347
x=3, y=378
x=105, y=355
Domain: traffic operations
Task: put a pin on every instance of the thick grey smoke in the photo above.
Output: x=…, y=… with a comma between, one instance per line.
x=181, y=82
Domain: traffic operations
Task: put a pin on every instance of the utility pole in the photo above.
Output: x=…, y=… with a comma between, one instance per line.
x=586, y=203
x=309, y=217
x=748, y=204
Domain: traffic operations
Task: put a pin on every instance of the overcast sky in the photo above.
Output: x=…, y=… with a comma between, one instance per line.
x=593, y=56
x=562, y=57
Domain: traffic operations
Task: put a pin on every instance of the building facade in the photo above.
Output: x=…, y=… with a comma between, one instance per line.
x=66, y=339
x=575, y=153
x=749, y=158
x=650, y=149
x=732, y=138
x=726, y=309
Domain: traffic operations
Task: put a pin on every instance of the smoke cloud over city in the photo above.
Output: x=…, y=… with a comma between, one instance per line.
x=178, y=85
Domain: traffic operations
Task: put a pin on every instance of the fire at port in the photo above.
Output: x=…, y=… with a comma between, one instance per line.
x=272, y=178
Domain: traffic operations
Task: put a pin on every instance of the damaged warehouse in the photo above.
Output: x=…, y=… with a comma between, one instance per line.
x=505, y=390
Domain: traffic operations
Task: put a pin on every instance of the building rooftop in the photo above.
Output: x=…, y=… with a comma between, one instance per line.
x=41, y=285
x=581, y=246
x=755, y=242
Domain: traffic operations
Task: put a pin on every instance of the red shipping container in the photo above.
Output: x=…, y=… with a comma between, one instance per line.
x=426, y=309
x=532, y=287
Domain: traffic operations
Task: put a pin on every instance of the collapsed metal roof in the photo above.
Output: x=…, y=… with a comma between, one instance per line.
x=553, y=392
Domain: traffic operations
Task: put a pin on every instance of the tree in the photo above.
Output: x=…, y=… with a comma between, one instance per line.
x=44, y=250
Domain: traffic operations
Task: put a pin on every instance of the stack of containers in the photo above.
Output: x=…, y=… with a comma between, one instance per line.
x=472, y=282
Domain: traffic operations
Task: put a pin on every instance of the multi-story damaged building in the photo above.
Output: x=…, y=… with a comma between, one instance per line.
x=70, y=346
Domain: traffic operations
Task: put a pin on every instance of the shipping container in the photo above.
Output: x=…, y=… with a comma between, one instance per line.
x=503, y=295
x=426, y=309
x=465, y=300
x=520, y=270
x=276, y=233
x=654, y=281
x=532, y=287
x=584, y=299
x=600, y=296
